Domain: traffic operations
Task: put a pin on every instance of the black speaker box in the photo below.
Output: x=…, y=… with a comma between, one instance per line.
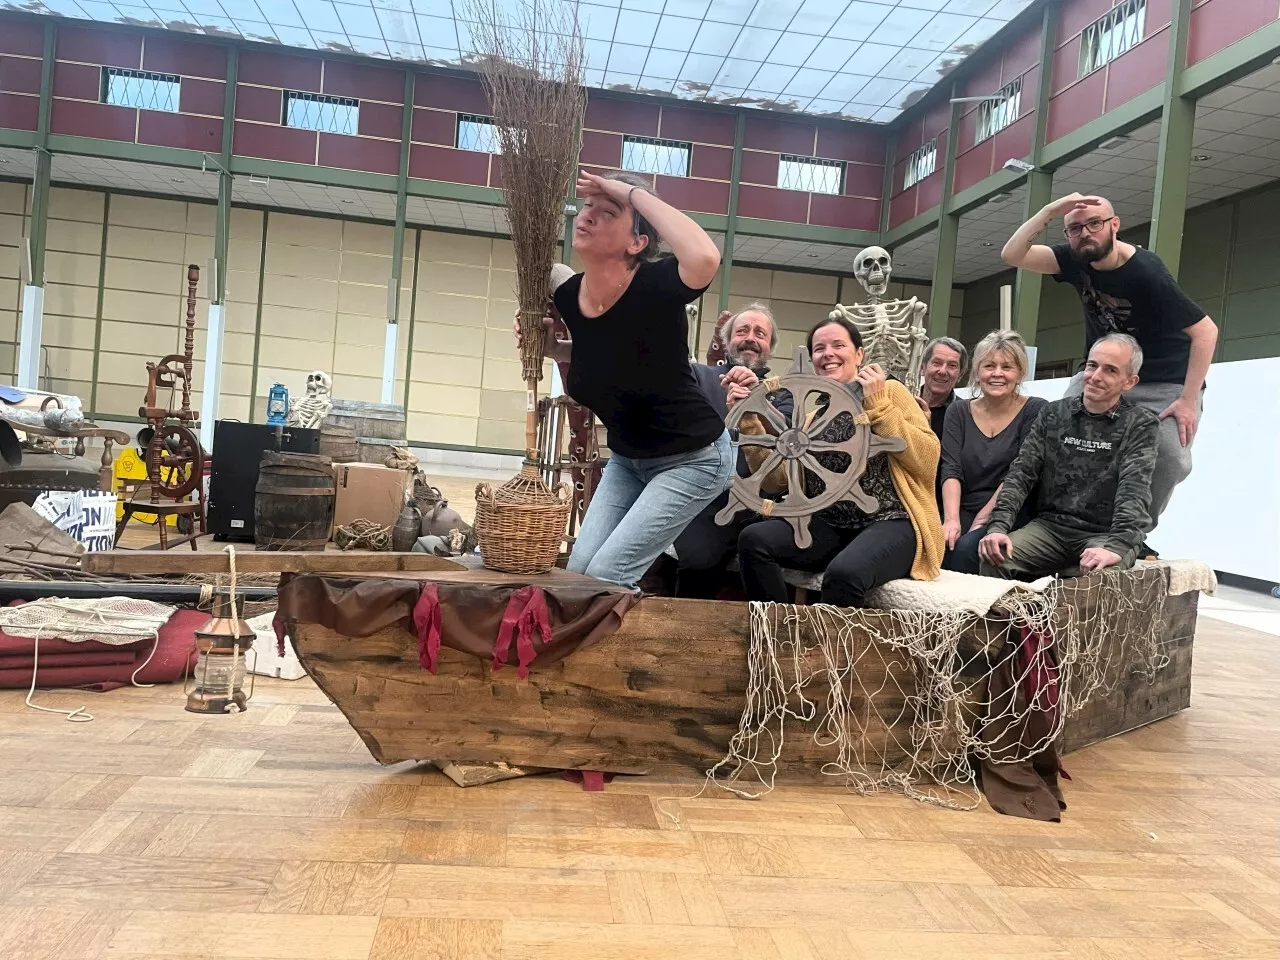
x=237, y=455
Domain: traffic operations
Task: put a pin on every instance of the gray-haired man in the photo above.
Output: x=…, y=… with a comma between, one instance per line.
x=1091, y=458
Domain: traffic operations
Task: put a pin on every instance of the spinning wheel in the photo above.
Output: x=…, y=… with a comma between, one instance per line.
x=794, y=444
x=174, y=460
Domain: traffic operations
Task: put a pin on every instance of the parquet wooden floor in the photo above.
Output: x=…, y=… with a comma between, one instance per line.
x=155, y=833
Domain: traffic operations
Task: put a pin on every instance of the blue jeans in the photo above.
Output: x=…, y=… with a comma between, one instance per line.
x=642, y=505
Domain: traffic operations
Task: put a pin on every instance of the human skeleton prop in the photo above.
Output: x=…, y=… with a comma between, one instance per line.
x=893, y=331
x=310, y=410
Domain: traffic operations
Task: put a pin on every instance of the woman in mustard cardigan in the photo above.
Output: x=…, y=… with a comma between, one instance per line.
x=857, y=551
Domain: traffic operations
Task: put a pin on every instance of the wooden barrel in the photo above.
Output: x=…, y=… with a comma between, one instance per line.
x=294, y=506
x=382, y=421
x=338, y=443
x=373, y=450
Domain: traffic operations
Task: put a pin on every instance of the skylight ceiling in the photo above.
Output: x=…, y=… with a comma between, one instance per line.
x=857, y=59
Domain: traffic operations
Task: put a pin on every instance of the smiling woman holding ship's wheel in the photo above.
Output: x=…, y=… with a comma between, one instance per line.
x=670, y=454
x=895, y=532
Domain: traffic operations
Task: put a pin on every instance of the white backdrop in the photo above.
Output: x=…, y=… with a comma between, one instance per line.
x=1227, y=513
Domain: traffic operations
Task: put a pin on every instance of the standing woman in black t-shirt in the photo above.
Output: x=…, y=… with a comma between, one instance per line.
x=670, y=454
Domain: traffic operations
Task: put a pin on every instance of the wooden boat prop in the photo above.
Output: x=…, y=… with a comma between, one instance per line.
x=673, y=687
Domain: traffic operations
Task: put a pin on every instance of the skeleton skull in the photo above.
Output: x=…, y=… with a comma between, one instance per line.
x=873, y=268
x=318, y=384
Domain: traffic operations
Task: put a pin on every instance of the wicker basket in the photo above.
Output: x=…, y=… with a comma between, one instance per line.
x=521, y=525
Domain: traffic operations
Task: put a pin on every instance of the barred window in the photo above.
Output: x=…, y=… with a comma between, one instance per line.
x=650, y=155
x=477, y=133
x=811, y=174
x=315, y=111
x=138, y=88
x=922, y=162
x=1000, y=111
x=1121, y=28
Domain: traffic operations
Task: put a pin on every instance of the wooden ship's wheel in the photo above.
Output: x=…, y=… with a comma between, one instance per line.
x=793, y=442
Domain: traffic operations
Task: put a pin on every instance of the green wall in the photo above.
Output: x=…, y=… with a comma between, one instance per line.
x=1229, y=266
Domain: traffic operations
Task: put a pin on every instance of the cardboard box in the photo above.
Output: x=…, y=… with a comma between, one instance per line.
x=369, y=491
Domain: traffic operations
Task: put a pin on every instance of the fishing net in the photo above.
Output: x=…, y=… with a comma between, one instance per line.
x=900, y=699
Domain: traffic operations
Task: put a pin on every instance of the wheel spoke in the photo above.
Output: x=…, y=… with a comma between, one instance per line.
x=823, y=446
x=795, y=479
x=757, y=440
x=766, y=468
x=829, y=477
x=773, y=415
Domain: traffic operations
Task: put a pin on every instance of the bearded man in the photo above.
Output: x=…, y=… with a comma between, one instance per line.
x=1126, y=289
x=705, y=547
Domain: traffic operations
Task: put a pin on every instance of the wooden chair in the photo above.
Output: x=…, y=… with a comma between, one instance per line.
x=135, y=498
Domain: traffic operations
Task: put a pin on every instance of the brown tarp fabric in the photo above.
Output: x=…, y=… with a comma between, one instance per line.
x=581, y=610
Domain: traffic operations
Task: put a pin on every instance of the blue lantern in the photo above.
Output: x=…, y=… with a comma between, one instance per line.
x=277, y=405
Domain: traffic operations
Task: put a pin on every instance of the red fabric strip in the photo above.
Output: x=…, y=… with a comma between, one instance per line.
x=533, y=617
x=510, y=624
x=1039, y=672
x=426, y=618
x=592, y=781
x=281, y=630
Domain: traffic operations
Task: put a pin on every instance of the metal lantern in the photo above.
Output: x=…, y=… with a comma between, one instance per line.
x=220, y=670
x=277, y=405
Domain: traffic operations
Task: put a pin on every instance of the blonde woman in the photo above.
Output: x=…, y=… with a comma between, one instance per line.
x=980, y=439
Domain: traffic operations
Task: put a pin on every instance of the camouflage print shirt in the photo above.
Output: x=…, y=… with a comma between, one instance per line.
x=1093, y=472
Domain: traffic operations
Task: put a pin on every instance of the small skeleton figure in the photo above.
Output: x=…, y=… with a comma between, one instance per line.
x=893, y=331
x=310, y=411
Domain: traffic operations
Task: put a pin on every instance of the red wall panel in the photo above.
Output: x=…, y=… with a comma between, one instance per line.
x=1078, y=14
x=180, y=130
x=184, y=57
x=935, y=122
x=1020, y=55
x=974, y=165
x=110, y=48
x=99, y=120
x=704, y=196
x=697, y=126
x=427, y=162
x=759, y=167
x=902, y=207
x=770, y=203
x=435, y=126
x=930, y=192
x=362, y=81
x=622, y=116
x=863, y=180
x=604, y=149
x=78, y=81
x=204, y=96
x=909, y=139
x=23, y=37
x=713, y=162
x=1073, y=108
x=851, y=213
x=1014, y=141
x=1066, y=65
x=1217, y=24
x=271, y=69
x=359, y=153
x=985, y=80
x=263, y=104
x=1159, y=15
x=380, y=119
x=19, y=112
x=1138, y=70
x=20, y=75
x=274, y=142
x=857, y=143
x=451, y=93
x=770, y=133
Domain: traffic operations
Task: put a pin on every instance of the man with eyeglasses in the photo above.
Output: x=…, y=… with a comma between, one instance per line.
x=1126, y=289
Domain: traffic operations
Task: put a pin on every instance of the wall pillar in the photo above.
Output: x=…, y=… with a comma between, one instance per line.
x=31, y=324
x=216, y=285
x=1027, y=284
x=944, y=267
x=1173, y=161
x=731, y=228
x=397, y=246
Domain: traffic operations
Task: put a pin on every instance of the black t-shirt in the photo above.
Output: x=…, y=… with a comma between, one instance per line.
x=1139, y=298
x=630, y=365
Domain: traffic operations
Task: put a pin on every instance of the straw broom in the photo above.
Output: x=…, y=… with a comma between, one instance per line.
x=531, y=66
x=531, y=63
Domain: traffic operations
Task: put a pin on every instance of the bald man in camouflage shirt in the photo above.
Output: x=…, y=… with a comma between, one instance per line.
x=1092, y=457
